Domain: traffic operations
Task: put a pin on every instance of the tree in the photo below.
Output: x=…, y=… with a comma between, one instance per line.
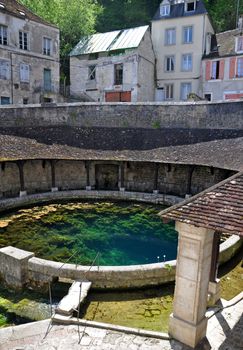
x=74, y=18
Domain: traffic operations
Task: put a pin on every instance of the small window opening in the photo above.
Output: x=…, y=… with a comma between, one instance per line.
x=25, y=101
x=190, y=6
x=118, y=74
x=215, y=70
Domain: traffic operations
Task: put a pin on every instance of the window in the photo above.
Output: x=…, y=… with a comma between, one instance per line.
x=165, y=10
x=25, y=101
x=92, y=71
x=187, y=35
x=186, y=89
x=240, y=67
x=47, y=46
x=4, y=70
x=3, y=35
x=118, y=74
x=47, y=80
x=208, y=97
x=239, y=44
x=190, y=6
x=5, y=100
x=170, y=63
x=186, y=63
x=23, y=41
x=170, y=36
x=24, y=73
x=215, y=70
x=169, y=92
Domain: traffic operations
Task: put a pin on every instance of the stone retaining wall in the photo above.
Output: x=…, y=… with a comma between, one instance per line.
x=203, y=115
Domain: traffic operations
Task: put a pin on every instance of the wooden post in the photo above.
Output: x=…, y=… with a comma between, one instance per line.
x=215, y=256
x=156, y=177
x=121, y=176
x=87, y=167
x=189, y=183
x=20, y=164
x=54, y=188
x=214, y=283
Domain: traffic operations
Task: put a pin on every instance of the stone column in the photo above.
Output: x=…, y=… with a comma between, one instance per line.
x=87, y=167
x=188, y=323
x=121, y=177
x=20, y=164
x=54, y=188
x=156, y=176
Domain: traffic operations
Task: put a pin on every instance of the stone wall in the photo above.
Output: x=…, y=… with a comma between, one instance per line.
x=202, y=115
x=173, y=179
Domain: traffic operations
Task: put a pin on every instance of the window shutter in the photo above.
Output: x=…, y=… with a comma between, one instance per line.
x=24, y=72
x=208, y=70
x=221, y=69
x=232, y=68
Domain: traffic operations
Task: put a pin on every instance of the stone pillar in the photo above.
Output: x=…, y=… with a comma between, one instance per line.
x=188, y=323
x=54, y=188
x=156, y=176
x=87, y=167
x=14, y=266
x=121, y=177
x=20, y=164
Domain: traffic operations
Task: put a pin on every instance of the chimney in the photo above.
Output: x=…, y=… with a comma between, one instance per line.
x=240, y=23
x=208, y=43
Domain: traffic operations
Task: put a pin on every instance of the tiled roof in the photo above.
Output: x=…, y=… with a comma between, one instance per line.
x=177, y=10
x=116, y=40
x=18, y=10
x=219, y=208
x=224, y=44
x=225, y=154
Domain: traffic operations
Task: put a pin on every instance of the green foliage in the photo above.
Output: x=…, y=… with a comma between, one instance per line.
x=223, y=13
x=156, y=124
x=74, y=18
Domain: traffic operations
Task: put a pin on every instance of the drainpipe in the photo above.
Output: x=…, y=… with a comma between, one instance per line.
x=11, y=77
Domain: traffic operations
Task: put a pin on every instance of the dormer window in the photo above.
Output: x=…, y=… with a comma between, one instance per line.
x=165, y=10
x=190, y=6
x=239, y=44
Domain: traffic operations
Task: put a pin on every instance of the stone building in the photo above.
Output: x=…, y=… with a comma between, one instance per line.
x=181, y=30
x=29, y=56
x=116, y=66
x=222, y=73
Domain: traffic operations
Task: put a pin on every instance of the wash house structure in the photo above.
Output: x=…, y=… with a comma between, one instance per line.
x=199, y=222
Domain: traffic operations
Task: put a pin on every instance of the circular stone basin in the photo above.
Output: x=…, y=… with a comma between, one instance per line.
x=123, y=233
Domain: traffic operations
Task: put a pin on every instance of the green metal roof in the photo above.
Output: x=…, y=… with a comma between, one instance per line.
x=116, y=40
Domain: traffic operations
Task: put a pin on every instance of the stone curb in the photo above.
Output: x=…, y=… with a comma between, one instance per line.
x=127, y=330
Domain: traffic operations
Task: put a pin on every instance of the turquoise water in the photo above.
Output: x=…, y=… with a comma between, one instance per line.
x=123, y=233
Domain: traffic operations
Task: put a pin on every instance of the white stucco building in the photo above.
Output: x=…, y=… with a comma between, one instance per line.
x=180, y=33
x=116, y=66
x=29, y=56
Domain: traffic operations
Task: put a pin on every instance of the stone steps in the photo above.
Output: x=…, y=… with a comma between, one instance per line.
x=70, y=302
